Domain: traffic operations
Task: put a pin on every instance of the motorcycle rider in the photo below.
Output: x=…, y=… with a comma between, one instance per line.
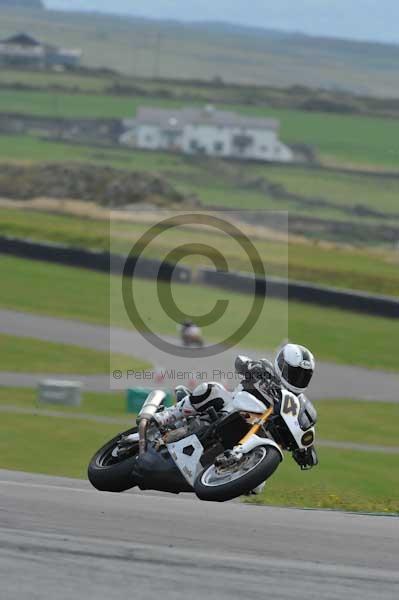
x=189, y=331
x=292, y=370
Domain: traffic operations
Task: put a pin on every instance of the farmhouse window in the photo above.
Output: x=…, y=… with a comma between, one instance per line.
x=242, y=141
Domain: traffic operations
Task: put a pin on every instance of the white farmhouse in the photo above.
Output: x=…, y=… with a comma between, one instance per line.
x=24, y=50
x=207, y=132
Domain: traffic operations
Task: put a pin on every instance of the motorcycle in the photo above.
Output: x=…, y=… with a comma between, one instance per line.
x=192, y=336
x=218, y=457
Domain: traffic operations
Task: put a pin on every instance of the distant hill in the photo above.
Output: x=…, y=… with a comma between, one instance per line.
x=353, y=19
x=22, y=3
x=170, y=49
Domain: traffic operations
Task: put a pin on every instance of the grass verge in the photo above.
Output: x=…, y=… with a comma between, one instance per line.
x=40, y=444
x=358, y=422
x=344, y=480
x=93, y=403
x=27, y=355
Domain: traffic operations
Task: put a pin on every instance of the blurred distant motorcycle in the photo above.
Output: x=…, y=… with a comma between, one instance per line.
x=217, y=455
x=191, y=334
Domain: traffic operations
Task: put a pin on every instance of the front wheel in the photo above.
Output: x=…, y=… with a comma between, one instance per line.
x=219, y=484
x=112, y=470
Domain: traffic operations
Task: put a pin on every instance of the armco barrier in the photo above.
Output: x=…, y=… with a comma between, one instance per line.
x=91, y=259
x=273, y=287
x=55, y=253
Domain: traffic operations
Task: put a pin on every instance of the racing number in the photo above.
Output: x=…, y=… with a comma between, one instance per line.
x=290, y=406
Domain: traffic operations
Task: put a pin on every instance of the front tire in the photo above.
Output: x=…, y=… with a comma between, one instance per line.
x=221, y=485
x=108, y=473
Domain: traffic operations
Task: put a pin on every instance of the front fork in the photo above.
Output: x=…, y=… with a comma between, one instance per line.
x=256, y=426
x=251, y=440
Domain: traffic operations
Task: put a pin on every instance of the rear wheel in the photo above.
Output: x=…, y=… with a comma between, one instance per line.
x=112, y=467
x=219, y=483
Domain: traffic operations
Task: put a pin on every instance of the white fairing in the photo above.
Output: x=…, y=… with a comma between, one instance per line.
x=246, y=402
x=290, y=407
x=255, y=441
x=188, y=464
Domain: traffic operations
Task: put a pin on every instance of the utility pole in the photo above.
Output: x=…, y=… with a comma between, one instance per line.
x=157, y=58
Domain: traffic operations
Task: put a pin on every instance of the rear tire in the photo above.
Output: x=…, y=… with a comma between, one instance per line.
x=108, y=474
x=211, y=487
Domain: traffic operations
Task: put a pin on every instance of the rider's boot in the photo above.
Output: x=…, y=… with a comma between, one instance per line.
x=167, y=417
x=172, y=415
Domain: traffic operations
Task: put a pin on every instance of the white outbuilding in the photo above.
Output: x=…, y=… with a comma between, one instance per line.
x=208, y=132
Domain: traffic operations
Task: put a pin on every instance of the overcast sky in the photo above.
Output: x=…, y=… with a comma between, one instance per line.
x=357, y=19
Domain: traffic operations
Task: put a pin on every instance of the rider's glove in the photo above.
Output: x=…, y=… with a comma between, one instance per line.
x=253, y=369
x=254, y=372
x=259, y=370
x=306, y=459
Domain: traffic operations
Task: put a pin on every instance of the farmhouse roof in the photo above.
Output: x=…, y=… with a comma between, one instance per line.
x=177, y=119
x=22, y=39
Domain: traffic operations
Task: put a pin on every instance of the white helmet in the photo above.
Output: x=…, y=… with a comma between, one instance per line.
x=294, y=365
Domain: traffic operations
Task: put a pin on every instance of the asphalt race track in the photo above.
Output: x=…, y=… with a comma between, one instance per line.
x=330, y=380
x=62, y=540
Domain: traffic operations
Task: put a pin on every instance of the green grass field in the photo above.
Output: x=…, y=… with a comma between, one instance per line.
x=362, y=269
x=96, y=404
x=329, y=196
x=53, y=446
x=349, y=140
x=27, y=355
x=300, y=98
x=334, y=335
x=74, y=82
x=358, y=422
x=27, y=149
x=344, y=480
x=69, y=106
x=344, y=189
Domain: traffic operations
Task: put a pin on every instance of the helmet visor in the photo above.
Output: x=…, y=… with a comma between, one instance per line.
x=296, y=376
